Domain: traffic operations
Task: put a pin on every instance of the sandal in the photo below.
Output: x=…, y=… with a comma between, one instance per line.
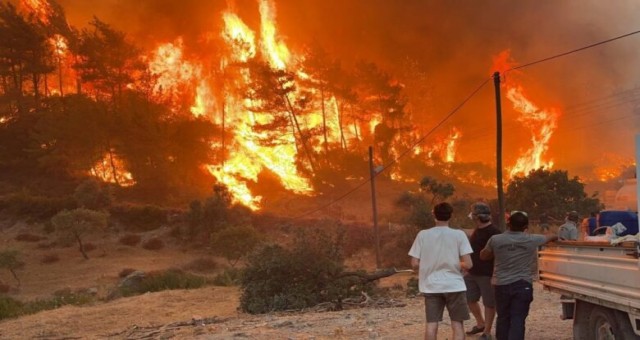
x=475, y=330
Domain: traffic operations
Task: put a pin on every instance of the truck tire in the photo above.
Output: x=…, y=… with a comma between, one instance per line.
x=606, y=323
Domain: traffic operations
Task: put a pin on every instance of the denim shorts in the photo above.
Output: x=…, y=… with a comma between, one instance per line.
x=456, y=303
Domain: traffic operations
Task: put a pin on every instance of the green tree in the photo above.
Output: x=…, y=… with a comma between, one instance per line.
x=310, y=272
x=437, y=190
x=25, y=55
x=91, y=194
x=550, y=192
x=78, y=222
x=9, y=260
x=235, y=242
x=107, y=59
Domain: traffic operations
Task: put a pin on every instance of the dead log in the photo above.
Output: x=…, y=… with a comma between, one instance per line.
x=368, y=277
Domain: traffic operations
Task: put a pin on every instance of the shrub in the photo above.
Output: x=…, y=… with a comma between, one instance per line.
x=91, y=194
x=303, y=276
x=229, y=277
x=203, y=265
x=49, y=258
x=166, y=280
x=27, y=237
x=35, y=207
x=235, y=242
x=9, y=260
x=10, y=308
x=139, y=217
x=153, y=244
x=131, y=240
x=76, y=223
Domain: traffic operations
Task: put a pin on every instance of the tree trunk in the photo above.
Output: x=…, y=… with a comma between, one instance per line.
x=324, y=122
x=84, y=253
x=302, y=137
x=13, y=272
x=112, y=163
x=343, y=141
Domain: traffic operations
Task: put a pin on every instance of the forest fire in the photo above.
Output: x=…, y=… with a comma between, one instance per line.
x=248, y=104
x=540, y=122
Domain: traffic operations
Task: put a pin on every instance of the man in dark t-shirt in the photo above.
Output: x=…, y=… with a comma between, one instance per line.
x=478, y=279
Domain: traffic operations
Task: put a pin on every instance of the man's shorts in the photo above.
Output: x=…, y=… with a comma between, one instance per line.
x=456, y=303
x=480, y=286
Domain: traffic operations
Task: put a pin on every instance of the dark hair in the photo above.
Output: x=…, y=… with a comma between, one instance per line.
x=518, y=221
x=442, y=211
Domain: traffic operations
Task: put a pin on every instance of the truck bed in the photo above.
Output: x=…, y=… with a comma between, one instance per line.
x=595, y=272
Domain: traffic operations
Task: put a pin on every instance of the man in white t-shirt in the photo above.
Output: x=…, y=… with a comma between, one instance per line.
x=441, y=254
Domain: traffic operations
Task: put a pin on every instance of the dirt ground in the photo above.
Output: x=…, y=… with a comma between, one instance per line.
x=206, y=313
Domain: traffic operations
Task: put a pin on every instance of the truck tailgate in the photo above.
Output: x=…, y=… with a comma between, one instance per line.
x=597, y=272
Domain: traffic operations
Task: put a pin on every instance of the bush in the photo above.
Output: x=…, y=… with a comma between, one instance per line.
x=166, y=280
x=78, y=222
x=39, y=208
x=10, y=308
x=139, y=217
x=229, y=277
x=27, y=237
x=90, y=194
x=131, y=240
x=281, y=279
x=235, y=242
x=153, y=244
x=49, y=258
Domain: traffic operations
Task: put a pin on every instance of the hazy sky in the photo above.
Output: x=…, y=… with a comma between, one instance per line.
x=451, y=45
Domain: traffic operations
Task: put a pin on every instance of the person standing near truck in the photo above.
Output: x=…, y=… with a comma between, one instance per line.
x=569, y=230
x=478, y=279
x=515, y=254
x=441, y=254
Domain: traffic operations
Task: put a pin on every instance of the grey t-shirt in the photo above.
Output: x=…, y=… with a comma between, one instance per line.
x=568, y=231
x=515, y=256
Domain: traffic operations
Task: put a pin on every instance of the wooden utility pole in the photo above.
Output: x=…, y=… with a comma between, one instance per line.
x=501, y=210
x=372, y=172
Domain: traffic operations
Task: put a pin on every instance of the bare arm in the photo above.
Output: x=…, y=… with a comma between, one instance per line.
x=465, y=262
x=549, y=237
x=486, y=254
x=415, y=263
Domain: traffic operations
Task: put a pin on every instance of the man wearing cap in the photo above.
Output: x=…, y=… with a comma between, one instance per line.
x=569, y=230
x=478, y=278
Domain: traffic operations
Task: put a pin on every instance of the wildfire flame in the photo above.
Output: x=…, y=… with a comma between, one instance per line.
x=111, y=169
x=39, y=8
x=540, y=122
x=450, y=154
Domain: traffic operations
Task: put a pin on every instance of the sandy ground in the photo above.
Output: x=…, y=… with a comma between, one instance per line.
x=170, y=314
x=157, y=316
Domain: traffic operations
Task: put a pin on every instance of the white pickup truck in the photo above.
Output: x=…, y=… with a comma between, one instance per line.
x=604, y=282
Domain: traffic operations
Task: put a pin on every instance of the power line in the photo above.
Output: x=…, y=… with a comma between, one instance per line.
x=420, y=140
x=572, y=51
